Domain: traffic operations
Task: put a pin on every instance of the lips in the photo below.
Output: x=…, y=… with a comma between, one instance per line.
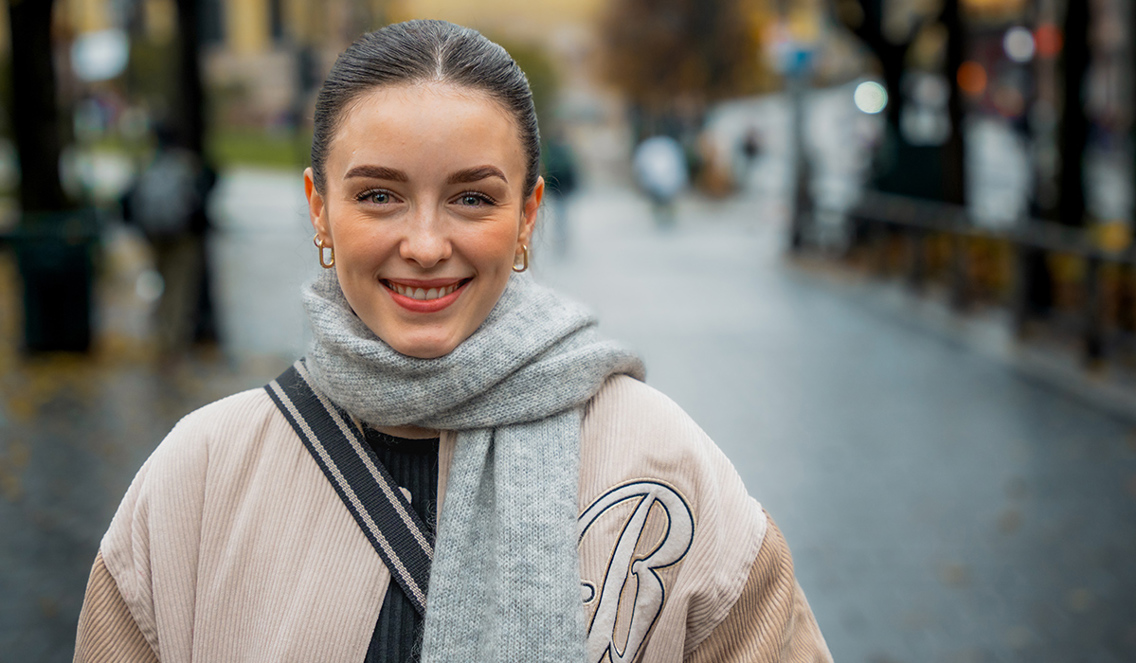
x=425, y=296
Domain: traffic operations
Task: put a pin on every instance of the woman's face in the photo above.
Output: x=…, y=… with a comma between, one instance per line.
x=423, y=205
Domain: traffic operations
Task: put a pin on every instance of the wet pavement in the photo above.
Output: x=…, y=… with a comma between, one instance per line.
x=942, y=504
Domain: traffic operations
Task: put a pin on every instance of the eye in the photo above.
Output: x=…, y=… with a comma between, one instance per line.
x=474, y=199
x=376, y=196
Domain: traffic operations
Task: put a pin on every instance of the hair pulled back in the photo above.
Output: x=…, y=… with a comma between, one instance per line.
x=425, y=51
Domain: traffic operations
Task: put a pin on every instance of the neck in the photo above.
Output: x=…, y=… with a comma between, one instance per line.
x=408, y=432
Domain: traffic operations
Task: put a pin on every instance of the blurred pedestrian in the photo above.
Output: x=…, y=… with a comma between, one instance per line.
x=751, y=146
x=751, y=149
x=305, y=521
x=661, y=170
x=559, y=185
x=168, y=204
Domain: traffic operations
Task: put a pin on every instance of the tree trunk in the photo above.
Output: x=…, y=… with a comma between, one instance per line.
x=954, y=151
x=35, y=114
x=1132, y=91
x=54, y=245
x=892, y=171
x=190, y=114
x=189, y=121
x=1075, y=121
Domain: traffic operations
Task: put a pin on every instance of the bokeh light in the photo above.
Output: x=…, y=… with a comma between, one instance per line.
x=972, y=78
x=100, y=56
x=870, y=97
x=1048, y=40
x=1018, y=44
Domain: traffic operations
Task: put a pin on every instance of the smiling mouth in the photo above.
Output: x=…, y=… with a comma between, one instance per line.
x=424, y=294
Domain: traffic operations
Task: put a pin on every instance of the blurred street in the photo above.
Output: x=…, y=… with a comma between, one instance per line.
x=941, y=503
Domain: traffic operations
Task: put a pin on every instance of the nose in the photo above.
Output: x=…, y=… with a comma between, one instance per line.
x=425, y=240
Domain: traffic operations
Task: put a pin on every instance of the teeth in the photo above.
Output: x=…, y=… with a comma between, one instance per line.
x=421, y=294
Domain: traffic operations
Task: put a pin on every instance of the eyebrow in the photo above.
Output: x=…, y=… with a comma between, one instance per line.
x=477, y=174
x=466, y=176
x=378, y=173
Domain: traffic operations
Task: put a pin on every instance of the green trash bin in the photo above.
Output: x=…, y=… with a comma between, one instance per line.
x=55, y=257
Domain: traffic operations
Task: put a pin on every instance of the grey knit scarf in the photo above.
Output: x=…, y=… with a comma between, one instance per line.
x=505, y=581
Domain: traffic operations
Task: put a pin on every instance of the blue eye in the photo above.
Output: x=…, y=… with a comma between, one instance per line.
x=377, y=197
x=474, y=199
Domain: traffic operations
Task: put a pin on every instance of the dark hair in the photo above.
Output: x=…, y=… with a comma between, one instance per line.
x=421, y=51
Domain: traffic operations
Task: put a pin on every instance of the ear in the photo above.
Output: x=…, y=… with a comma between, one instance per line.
x=528, y=221
x=316, y=208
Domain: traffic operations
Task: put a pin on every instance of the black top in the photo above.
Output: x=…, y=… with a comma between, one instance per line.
x=413, y=464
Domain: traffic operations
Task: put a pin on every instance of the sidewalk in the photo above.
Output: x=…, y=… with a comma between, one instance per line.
x=1051, y=359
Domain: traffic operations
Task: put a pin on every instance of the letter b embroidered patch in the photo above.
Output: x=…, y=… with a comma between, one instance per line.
x=652, y=528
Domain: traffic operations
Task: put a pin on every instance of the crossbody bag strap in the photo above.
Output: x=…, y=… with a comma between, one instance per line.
x=364, y=485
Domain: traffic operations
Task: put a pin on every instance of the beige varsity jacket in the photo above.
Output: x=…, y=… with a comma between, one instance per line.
x=230, y=545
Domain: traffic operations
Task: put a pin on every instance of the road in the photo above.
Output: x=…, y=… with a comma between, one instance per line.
x=940, y=506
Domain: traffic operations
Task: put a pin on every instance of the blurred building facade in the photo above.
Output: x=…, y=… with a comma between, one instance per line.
x=250, y=47
x=263, y=60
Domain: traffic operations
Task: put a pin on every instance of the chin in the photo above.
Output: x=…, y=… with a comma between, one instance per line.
x=426, y=349
x=430, y=353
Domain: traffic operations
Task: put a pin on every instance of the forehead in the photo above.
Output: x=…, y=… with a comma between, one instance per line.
x=423, y=92
x=431, y=107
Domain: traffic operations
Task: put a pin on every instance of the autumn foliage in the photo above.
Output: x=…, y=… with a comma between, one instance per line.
x=658, y=51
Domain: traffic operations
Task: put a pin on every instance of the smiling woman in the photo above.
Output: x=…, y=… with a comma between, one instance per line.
x=585, y=517
x=423, y=202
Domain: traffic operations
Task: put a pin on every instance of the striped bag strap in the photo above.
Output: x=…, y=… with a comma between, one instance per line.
x=364, y=485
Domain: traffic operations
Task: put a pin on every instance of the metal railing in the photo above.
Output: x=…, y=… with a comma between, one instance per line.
x=920, y=220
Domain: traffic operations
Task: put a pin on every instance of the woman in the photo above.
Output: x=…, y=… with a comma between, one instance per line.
x=585, y=516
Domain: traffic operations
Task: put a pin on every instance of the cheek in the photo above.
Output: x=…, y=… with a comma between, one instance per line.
x=360, y=245
x=494, y=244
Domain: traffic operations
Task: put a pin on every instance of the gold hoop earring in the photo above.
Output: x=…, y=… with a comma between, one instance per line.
x=524, y=256
x=319, y=245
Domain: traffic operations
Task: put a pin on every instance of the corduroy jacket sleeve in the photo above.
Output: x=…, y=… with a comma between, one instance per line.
x=107, y=631
x=231, y=545
x=771, y=621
